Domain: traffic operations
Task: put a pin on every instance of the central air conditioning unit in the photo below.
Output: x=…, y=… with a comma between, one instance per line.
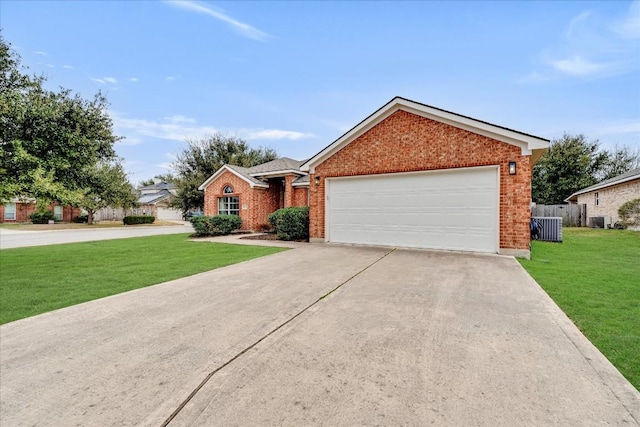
x=548, y=229
x=600, y=222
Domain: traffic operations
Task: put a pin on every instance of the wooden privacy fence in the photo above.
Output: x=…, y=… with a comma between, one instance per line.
x=572, y=215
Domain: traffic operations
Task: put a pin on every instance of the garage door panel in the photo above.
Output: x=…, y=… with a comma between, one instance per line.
x=455, y=210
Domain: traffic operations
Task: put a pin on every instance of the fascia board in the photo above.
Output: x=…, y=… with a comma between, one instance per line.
x=600, y=187
x=526, y=143
x=226, y=168
x=276, y=173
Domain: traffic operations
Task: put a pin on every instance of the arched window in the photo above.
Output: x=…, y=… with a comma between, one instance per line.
x=227, y=189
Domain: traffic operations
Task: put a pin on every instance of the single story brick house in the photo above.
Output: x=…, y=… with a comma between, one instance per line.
x=604, y=199
x=253, y=193
x=409, y=175
x=18, y=210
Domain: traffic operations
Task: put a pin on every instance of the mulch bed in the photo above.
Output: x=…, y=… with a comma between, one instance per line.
x=261, y=237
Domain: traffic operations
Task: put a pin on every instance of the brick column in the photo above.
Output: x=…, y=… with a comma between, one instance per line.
x=288, y=190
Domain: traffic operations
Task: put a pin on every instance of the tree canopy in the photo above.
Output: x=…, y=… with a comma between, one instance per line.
x=54, y=145
x=573, y=163
x=203, y=157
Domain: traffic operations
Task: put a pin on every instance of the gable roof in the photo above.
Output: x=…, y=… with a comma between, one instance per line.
x=151, y=198
x=252, y=175
x=283, y=164
x=529, y=144
x=159, y=186
x=622, y=178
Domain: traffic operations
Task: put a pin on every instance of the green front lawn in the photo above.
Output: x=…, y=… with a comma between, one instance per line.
x=594, y=276
x=40, y=279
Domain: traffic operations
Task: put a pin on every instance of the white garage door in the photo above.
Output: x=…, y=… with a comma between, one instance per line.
x=452, y=209
x=169, y=214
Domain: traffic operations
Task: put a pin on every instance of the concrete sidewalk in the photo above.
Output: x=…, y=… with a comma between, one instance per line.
x=10, y=238
x=319, y=335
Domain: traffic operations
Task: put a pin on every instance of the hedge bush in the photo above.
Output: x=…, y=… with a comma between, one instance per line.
x=629, y=213
x=142, y=219
x=291, y=223
x=217, y=225
x=42, y=217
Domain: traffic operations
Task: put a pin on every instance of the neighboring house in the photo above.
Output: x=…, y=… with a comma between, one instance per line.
x=604, y=199
x=18, y=210
x=253, y=193
x=156, y=200
x=409, y=175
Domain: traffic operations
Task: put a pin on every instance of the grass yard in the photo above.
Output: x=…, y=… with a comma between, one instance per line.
x=35, y=280
x=594, y=276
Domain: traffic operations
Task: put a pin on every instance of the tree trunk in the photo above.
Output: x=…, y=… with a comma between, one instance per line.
x=89, y=216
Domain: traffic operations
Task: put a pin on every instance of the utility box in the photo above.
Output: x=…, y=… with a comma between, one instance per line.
x=549, y=228
x=600, y=222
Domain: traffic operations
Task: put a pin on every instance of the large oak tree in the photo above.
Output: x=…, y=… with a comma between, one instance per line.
x=54, y=145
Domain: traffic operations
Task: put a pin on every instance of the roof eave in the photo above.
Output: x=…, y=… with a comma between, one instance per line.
x=597, y=187
x=277, y=173
x=236, y=173
x=527, y=143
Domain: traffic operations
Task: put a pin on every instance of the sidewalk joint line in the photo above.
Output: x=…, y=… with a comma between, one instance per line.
x=273, y=331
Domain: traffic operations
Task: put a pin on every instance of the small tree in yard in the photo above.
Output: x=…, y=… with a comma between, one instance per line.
x=630, y=213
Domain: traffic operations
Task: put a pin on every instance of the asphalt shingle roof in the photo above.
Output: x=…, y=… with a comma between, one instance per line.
x=149, y=199
x=633, y=173
x=281, y=164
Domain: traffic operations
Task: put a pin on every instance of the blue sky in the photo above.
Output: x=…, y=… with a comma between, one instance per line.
x=294, y=76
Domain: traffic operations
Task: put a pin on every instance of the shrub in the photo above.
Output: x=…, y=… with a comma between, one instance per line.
x=142, y=219
x=291, y=223
x=41, y=217
x=225, y=224
x=81, y=219
x=217, y=225
x=630, y=213
x=201, y=225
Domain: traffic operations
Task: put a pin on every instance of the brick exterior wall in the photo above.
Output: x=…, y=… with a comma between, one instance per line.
x=23, y=210
x=610, y=199
x=255, y=203
x=405, y=142
x=300, y=196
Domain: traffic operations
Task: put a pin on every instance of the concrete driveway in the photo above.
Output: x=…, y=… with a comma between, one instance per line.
x=320, y=335
x=18, y=238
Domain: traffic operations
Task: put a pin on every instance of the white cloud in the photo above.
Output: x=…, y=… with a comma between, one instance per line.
x=245, y=30
x=165, y=165
x=69, y=67
x=129, y=141
x=39, y=52
x=575, y=22
x=104, y=80
x=133, y=79
x=273, y=134
x=51, y=66
x=170, y=78
x=180, y=119
x=578, y=66
x=591, y=48
x=181, y=128
x=629, y=28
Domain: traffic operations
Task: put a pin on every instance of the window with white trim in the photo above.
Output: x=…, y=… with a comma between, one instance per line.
x=229, y=205
x=228, y=189
x=57, y=213
x=10, y=211
x=597, y=199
